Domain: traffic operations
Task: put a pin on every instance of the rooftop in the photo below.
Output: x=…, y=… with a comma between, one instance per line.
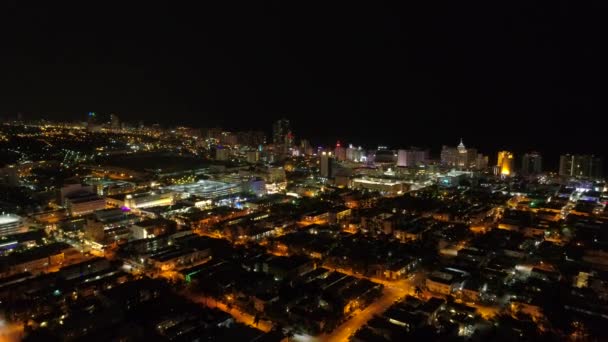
x=9, y=218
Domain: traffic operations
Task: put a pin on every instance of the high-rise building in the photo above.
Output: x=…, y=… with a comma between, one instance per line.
x=251, y=138
x=253, y=156
x=214, y=133
x=412, y=157
x=9, y=176
x=402, y=158
x=459, y=156
x=583, y=165
x=531, y=164
x=385, y=156
x=91, y=121
x=228, y=138
x=304, y=144
x=481, y=162
x=449, y=156
x=350, y=152
x=114, y=121
x=282, y=137
x=505, y=163
x=463, y=156
x=340, y=152
x=222, y=153
x=280, y=131
x=305, y=147
x=356, y=154
x=326, y=164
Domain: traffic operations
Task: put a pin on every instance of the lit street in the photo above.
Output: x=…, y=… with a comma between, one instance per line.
x=266, y=173
x=392, y=292
x=238, y=315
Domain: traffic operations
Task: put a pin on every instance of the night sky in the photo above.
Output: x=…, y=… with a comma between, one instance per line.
x=519, y=75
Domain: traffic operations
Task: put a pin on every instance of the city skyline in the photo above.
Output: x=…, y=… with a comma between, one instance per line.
x=396, y=77
x=277, y=171
x=184, y=233
x=435, y=149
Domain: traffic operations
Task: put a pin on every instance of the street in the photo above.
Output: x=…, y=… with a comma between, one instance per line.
x=389, y=296
x=239, y=316
x=393, y=291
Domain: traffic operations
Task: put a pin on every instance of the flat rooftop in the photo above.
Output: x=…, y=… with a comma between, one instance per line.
x=9, y=218
x=206, y=188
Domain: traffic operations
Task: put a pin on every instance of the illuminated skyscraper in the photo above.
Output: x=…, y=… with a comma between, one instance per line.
x=222, y=153
x=412, y=157
x=228, y=138
x=531, y=163
x=280, y=130
x=356, y=154
x=481, y=162
x=340, y=152
x=326, y=164
x=583, y=165
x=449, y=156
x=282, y=137
x=460, y=156
x=91, y=121
x=305, y=147
x=505, y=163
x=114, y=121
x=253, y=156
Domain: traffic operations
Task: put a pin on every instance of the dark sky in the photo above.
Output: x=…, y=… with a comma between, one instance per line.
x=501, y=74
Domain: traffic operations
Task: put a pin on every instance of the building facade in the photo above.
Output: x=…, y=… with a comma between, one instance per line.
x=505, y=163
x=11, y=224
x=412, y=157
x=531, y=164
x=326, y=164
x=584, y=165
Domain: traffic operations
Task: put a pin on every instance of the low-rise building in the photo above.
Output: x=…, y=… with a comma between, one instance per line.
x=445, y=281
x=384, y=186
x=152, y=228
x=11, y=224
x=84, y=203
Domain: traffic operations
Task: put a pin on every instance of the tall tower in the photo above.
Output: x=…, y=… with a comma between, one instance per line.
x=449, y=156
x=340, y=152
x=326, y=164
x=463, y=157
x=461, y=148
x=280, y=130
x=531, y=163
x=505, y=163
x=583, y=165
x=91, y=121
x=282, y=137
x=114, y=121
